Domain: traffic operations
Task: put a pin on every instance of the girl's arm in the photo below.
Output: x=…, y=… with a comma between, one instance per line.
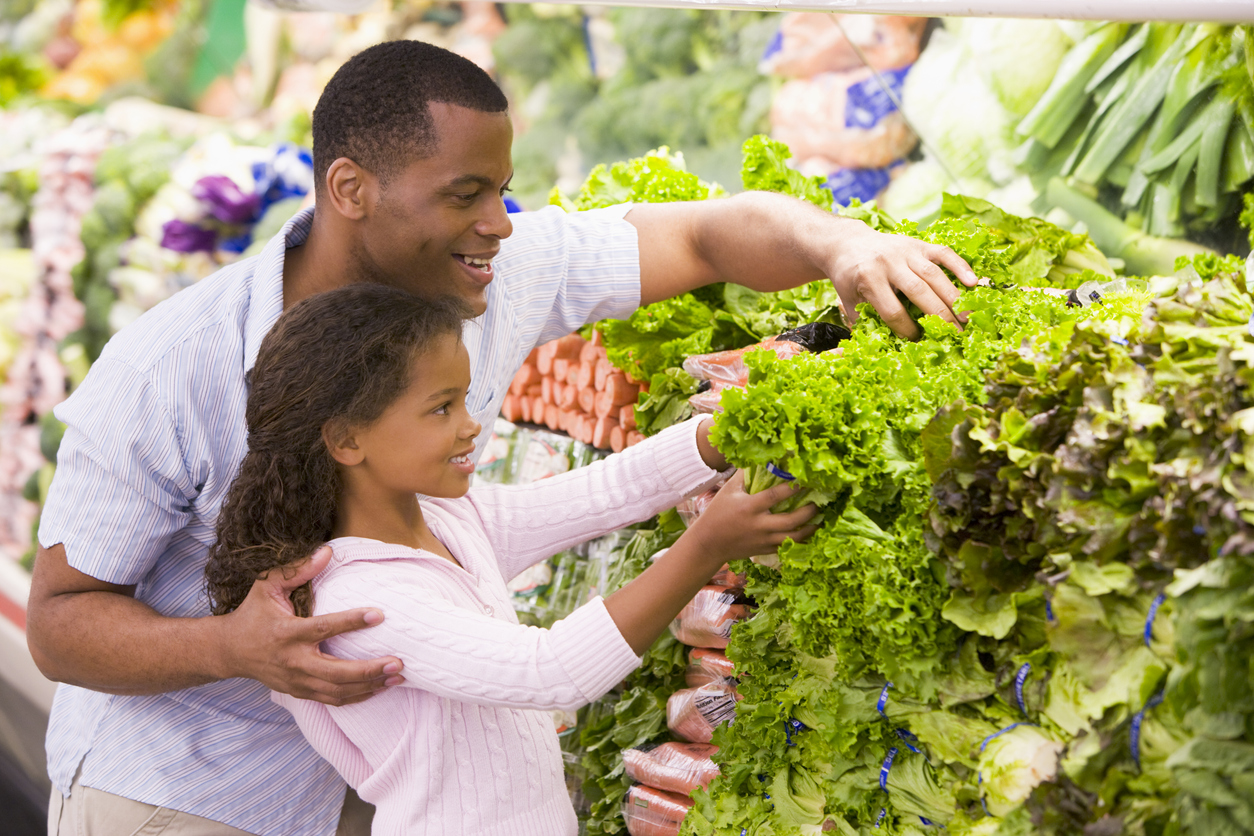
x=472, y=657
x=529, y=523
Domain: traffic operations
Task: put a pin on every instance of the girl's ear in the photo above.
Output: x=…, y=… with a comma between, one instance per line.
x=341, y=443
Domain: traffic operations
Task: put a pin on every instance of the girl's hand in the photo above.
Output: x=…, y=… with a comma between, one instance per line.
x=738, y=525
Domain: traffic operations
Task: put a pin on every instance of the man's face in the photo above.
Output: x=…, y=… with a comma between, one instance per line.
x=440, y=221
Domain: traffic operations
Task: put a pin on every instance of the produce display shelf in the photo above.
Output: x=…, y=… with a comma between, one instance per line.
x=1217, y=11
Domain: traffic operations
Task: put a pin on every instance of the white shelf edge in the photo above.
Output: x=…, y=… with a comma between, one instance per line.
x=1217, y=11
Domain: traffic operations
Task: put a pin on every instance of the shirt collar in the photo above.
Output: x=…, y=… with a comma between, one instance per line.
x=265, y=305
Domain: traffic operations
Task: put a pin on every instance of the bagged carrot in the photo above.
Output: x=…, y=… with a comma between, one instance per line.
x=708, y=618
x=707, y=666
x=693, y=714
x=652, y=812
x=675, y=767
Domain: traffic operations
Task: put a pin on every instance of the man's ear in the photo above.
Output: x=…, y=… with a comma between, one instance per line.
x=351, y=190
x=341, y=444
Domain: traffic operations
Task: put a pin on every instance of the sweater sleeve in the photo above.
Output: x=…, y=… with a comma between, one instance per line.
x=529, y=523
x=471, y=657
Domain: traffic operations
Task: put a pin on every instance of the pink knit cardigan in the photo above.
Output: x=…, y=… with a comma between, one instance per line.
x=467, y=744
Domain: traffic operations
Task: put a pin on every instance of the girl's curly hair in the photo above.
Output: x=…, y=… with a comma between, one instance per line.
x=336, y=360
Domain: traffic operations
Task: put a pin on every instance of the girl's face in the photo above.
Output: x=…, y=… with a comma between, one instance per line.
x=422, y=444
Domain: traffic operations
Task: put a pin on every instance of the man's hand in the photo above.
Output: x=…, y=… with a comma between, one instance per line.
x=269, y=643
x=771, y=242
x=94, y=634
x=869, y=266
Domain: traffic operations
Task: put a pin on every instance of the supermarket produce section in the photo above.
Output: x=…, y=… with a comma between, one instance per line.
x=1027, y=607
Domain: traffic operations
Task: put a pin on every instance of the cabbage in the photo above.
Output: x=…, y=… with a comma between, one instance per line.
x=1017, y=59
x=955, y=113
x=1014, y=763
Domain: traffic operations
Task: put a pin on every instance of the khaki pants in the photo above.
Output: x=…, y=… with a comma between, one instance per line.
x=89, y=812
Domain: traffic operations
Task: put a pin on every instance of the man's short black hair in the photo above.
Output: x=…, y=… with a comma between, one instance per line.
x=375, y=108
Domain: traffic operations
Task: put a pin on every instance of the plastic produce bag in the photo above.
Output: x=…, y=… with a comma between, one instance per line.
x=727, y=578
x=810, y=43
x=845, y=120
x=706, y=667
x=675, y=767
x=693, y=714
x=727, y=368
x=652, y=812
x=708, y=618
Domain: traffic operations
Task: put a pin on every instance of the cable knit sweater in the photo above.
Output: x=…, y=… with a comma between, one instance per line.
x=466, y=745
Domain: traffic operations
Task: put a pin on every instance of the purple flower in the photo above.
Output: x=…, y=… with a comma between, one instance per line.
x=224, y=199
x=183, y=237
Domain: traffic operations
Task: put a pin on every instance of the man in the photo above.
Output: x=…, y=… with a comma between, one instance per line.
x=165, y=712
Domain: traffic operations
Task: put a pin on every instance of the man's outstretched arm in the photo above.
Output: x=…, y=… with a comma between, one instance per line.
x=86, y=632
x=769, y=242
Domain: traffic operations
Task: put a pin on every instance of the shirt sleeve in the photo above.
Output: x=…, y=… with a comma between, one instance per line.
x=121, y=487
x=569, y=269
x=471, y=657
x=528, y=523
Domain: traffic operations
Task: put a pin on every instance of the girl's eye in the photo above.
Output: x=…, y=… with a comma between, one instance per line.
x=505, y=190
x=442, y=409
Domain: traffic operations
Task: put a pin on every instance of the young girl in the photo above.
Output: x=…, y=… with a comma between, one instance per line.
x=357, y=406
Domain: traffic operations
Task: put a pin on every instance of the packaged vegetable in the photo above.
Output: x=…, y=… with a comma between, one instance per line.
x=707, y=666
x=651, y=812
x=727, y=578
x=727, y=368
x=693, y=714
x=674, y=767
x=708, y=618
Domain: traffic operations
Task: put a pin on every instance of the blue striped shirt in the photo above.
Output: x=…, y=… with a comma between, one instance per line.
x=155, y=436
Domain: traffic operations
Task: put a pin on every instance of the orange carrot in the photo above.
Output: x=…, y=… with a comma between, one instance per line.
x=587, y=400
x=588, y=354
x=570, y=397
x=510, y=408
x=618, y=439
x=525, y=377
x=587, y=372
x=620, y=391
x=600, y=373
x=534, y=390
x=538, y=405
x=601, y=432
x=627, y=416
x=546, y=389
x=551, y=416
x=561, y=366
x=524, y=409
x=569, y=346
x=586, y=428
x=634, y=438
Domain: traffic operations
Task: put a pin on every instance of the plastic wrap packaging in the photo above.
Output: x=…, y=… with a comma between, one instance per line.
x=810, y=43
x=674, y=767
x=653, y=812
x=708, y=667
x=708, y=618
x=727, y=578
x=694, y=506
x=727, y=368
x=692, y=714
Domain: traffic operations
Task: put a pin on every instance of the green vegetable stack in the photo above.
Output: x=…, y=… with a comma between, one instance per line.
x=1155, y=120
x=964, y=642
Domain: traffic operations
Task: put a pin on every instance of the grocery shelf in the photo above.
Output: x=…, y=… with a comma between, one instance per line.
x=1220, y=11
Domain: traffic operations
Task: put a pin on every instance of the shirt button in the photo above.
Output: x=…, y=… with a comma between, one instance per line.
x=487, y=608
